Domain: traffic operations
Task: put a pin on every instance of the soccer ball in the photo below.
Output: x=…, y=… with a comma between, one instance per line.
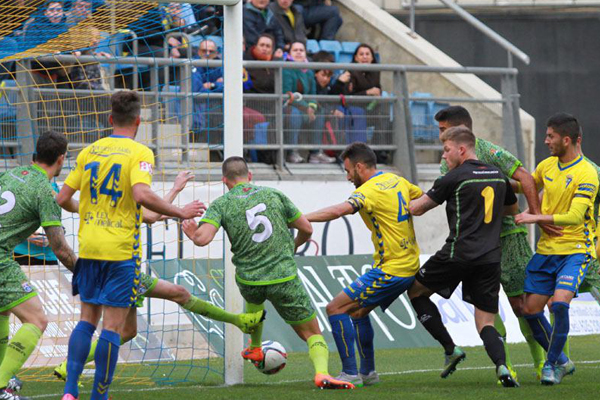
x=275, y=358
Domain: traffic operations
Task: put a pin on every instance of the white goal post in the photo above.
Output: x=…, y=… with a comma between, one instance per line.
x=233, y=146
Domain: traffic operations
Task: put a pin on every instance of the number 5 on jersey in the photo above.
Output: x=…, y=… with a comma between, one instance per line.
x=254, y=221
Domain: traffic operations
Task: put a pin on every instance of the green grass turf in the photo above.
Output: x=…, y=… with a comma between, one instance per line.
x=405, y=373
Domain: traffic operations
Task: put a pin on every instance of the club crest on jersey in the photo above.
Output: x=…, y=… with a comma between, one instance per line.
x=146, y=167
x=569, y=180
x=24, y=173
x=26, y=287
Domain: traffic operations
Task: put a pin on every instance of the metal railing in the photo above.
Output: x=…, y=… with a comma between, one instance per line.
x=511, y=49
x=388, y=125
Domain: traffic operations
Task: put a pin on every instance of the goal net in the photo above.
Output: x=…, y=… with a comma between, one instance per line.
x=59, y=64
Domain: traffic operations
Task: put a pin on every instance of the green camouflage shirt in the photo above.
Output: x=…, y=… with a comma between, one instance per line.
x=494, y=155
x=256, y=220
x=597, y=199
x=26, y=202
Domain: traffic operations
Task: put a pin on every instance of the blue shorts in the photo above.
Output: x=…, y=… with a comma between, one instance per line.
x=545, y=274
x=108, y=283
x=376, y=288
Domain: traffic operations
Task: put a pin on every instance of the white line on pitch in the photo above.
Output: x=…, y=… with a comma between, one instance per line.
x=413, y=371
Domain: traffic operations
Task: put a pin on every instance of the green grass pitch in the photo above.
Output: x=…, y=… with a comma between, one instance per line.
x=405, y=373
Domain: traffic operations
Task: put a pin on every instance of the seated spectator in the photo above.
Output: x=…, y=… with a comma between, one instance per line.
x=87, y=75
x=80, y=10
x=298, y=112
x=175, y=18
x=40, y=30
x=364, y=83
x=258, y=18
x=291, y=21
x=263, y=79
x=210, y=79
x=321, y=12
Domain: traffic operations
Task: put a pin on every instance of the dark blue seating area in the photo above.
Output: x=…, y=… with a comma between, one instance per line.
x=342, y=51
x=425, y=127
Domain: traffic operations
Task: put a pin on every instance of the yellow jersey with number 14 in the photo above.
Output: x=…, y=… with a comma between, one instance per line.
x=382, y=203
x=110, y=219
x=576, y=182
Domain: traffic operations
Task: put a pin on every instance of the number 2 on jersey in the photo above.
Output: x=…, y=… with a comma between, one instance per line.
x=488, y=195
x=112, y=179
x=254, y=221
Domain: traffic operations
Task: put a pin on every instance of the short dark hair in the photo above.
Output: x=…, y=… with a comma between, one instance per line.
x=323, y=56
x=125, y=107
x=268, y=36
x=235, y=167
x=460, y=135
x=565, y=125
x=359, y=152
x=455, y=115
x=50, y=145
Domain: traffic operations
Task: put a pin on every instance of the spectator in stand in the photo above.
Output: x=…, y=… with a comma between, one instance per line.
x=258, y=19
x=298, y=112
x=328, y=111
x=263, y=79
x=360, y=83
x=40, y=30
x=291, y=21
x=87, y=75
x=210, y=79
x=80, y=10
x=321, y=12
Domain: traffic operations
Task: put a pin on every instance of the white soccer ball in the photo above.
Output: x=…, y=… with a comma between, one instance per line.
x=275, y=358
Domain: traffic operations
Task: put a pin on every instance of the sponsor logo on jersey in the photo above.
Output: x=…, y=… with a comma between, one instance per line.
x=24, y=173
x=146, y=167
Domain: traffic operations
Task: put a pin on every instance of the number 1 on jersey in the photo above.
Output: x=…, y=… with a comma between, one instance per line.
x=488, y=195
x=112, y=179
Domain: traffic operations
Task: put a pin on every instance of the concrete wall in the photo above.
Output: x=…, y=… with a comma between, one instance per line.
x=365, y=21
x=563, y=46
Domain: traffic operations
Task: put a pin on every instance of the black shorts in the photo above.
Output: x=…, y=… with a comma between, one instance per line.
x=481, y=283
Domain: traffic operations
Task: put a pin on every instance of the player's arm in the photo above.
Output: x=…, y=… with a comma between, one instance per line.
x=528, y=188
x=574, y=216
x=181, y=181
x=56, y=237
x=65, y=200
x=305, y=230
x=332, y=212
x=143, y=194
x=421, y=205
x=200, y=235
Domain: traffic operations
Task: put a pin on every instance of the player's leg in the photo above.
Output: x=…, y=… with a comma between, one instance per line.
x=435, y=275
x=255, y=297
x=30, y=312
x=516, y=254
x=293, y=305
x=344, y=334
x=481, y=287
x=247, y=322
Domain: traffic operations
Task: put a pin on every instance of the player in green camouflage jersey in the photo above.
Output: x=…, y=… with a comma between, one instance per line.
x=591, y=283
x=257, y=221
x=26, y=203
x=153, y=287
x=516, y=251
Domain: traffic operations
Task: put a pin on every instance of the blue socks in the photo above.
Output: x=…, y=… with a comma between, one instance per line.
x=542, y=332
x=344, y=336
x=364, y=338
x=79, y=348
x=560, y=332
x=107, y=355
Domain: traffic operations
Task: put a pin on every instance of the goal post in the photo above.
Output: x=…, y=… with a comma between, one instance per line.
x=232, y=146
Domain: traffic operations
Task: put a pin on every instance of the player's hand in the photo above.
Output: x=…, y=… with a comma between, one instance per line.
x=194, y=209
x=182, y=179
x=38, y=240
x=551, y=230
x=189, y=227
x=525, y=218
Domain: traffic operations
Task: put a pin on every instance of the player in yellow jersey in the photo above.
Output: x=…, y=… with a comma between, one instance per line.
x=113, y=176
x=382, y=201
x=560, y=263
